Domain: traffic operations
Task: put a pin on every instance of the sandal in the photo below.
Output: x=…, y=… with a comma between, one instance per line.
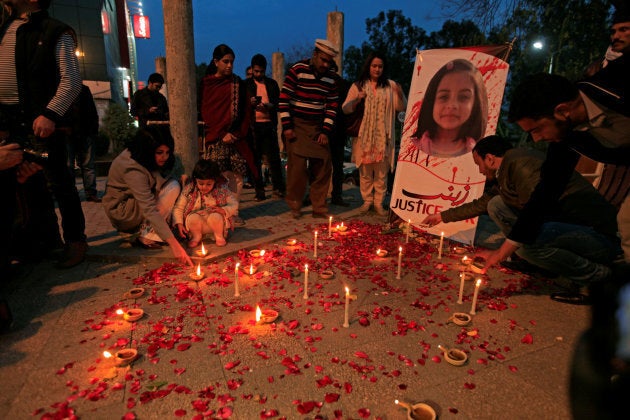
x=572, y=298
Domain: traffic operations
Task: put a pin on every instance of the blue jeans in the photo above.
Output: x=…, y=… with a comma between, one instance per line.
x=81, y=149
x=576, y=252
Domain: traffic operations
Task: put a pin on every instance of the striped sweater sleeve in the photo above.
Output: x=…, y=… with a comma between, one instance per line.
x=70, y=78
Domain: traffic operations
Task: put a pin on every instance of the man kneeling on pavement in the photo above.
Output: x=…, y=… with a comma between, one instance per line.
x=578, y=239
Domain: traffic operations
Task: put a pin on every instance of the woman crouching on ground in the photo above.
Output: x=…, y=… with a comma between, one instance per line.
x=139, y=196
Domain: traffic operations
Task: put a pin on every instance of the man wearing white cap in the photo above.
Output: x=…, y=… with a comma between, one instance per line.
x=308, y=107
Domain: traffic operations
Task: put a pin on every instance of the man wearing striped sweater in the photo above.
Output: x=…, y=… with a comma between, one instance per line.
x=39, y=81
x=308, y=107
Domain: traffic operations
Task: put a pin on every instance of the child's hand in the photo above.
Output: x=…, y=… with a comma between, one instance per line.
x=183, y=232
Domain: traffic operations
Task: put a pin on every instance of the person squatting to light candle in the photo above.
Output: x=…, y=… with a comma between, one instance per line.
x=577, y=239
x=206, y=205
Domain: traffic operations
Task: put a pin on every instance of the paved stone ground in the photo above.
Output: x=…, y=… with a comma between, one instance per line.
x=202, y=353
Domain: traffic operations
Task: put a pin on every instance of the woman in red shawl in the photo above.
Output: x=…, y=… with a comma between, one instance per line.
x=226, y=114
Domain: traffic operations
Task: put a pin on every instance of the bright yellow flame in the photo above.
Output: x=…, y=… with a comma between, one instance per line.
x=199, y=269
x=442, y=234
x=251, y=269
x=119, y=311
x=306, y=267
x=378, y=251
x=107, y=354
x=464, y=259
x=395, y=401
x=400, y=249
x=262, y=252
x=203, y=249
x=258, y=313
x=341, y=224
x=237, y=266
x=347, y=291
x=330, y=218
x=478, y=283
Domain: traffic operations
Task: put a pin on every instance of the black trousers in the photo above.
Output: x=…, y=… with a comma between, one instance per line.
x=266, y=144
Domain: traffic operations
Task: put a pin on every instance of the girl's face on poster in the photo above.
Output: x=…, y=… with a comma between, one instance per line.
x=205, y=185
x=225, y=65
x=376, y=68
x=162, y=153
x=454, y=100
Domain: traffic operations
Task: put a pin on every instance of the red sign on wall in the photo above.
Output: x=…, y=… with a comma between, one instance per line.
x=141, y=28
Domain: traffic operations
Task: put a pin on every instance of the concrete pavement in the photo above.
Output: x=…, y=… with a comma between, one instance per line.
x=203, y=356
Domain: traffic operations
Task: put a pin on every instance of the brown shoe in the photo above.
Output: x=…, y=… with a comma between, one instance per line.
x=73, y=254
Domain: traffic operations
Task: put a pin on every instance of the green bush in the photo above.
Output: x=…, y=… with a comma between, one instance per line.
x=118, y=126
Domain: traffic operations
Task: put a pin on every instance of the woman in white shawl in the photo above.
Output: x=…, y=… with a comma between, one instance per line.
x=373, y=149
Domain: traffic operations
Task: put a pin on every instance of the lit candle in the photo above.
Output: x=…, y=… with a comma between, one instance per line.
x=441, y=244
x=306, y=281
x=258, y=313
x=315, y=246
x=346, y=324
x=119, y=312
x=408, y=231
x=465, y=262
x=236, y=292
x=462, y=278
x=474, y=302
x=330, y=226
x=251, y=269
x=399, y=262
x=197, y=274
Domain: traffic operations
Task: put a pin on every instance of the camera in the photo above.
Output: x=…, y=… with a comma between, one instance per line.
x=31, y=153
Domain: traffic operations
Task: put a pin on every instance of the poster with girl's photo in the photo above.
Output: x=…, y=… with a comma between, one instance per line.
x=454, y=100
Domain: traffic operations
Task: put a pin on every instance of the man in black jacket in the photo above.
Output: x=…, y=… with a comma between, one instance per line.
x=264, y=93
x=39, y=81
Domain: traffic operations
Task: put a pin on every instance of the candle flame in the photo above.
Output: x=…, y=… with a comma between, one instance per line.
x=465, y=258
x=258, y=313
x=237, y=266
x=378, y=251
x=442, y=234
x=342, y=224
x=330, y=218
x=251, y=269
x=119, y=311
x=396, y=402
x=107, y=354
x=262, y=252
x=203, y=249
x=478, y=283
x=347, y=291
x=198, y=269
x=400, y=249
x=306, y=267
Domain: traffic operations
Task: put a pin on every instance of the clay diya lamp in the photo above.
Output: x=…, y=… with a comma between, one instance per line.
x=125, y=357
x=341, y=228
x=249, y=269
x=197, y=274
x=459, y=250
x=132, y=315
x=255, y=253
x=455, y=357
x=477, y=265
x=460, y=318
x=382, y=253
x=326, y=274
x=418, y=411
x=265, y=317
x=201, y=252
x=291, y=242
x=134, y=293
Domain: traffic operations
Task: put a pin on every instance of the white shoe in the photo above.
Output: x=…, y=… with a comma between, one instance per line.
x=365, y=207
x=380, y=210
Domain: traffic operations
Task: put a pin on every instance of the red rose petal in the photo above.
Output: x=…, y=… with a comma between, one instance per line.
x=331, y=398
x=364, y=413
x=527, y=339
x=180, y=413
x=513, y=368
x=183, y=346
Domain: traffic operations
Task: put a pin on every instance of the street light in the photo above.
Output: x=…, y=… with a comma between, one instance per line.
x=540, y=45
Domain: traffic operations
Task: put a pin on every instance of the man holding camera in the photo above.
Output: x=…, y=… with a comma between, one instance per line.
x=265, y=94
x=39, y=81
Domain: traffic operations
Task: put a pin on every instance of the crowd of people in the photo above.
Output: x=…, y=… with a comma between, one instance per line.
x=549, y=214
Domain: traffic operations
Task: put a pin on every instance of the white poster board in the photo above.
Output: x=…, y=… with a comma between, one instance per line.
x=434, y=174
